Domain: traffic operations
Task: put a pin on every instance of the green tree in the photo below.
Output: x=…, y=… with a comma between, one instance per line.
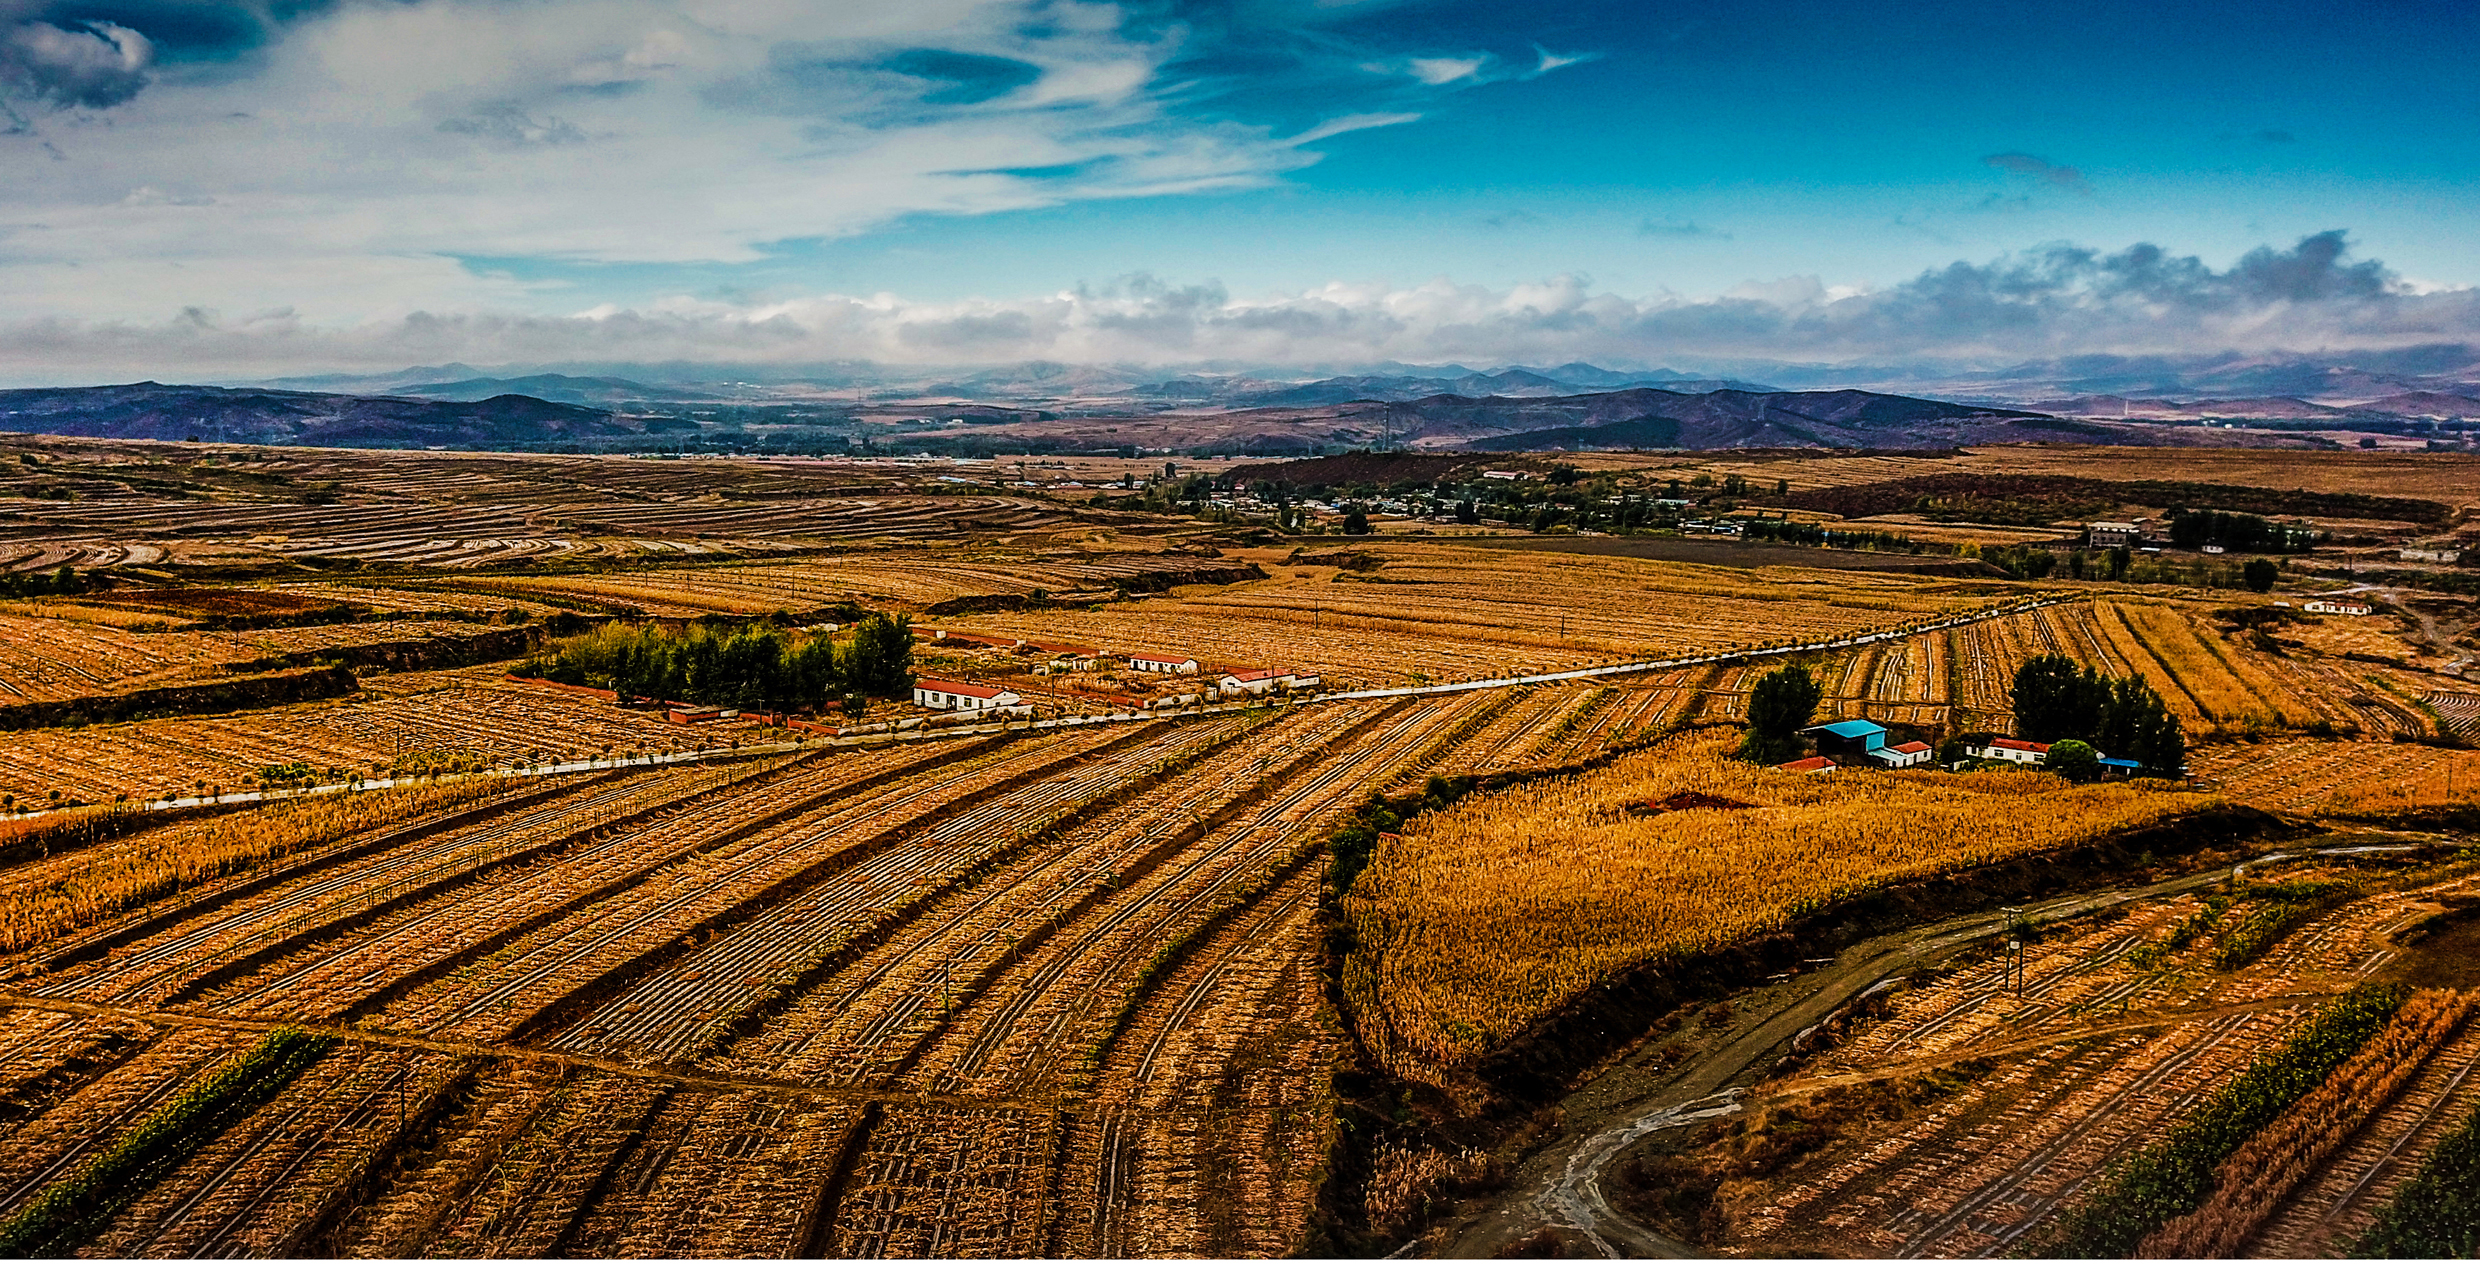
x=2054, y=698
x=2076, y=761
x=1778, y=708
x=880, y=662
x=2137, y=725
x=2260, y=573
x=1356, y=523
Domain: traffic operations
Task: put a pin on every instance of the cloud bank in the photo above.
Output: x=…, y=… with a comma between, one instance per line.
x=2055, y=301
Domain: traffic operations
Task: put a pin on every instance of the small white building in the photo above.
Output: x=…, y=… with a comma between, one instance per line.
x=2322, y=606
x=1165, y=663
x=1253, y=680
x=1902, y=755
x=2013, y=750
x=2431, y=553
x=958, y=695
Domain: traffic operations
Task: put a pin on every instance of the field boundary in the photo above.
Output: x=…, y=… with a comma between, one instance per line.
x=875, y=740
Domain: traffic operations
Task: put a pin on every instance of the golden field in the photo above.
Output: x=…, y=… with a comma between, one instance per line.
x=1482, y=917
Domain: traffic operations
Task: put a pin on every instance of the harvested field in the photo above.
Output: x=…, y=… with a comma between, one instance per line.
x=417, y=721
x=1058, y=989
x=1971, y=1114
x=795, y=951
x=2342, y=779
x=1444, y=613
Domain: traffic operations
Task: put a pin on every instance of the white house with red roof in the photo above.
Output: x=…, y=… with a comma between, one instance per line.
x=2013, y=750
x=1170, y=664
x=1812, y=764
x=960, y=695
x=1902, y=754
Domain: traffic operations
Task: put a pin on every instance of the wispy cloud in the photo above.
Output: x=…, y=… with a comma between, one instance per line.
x=2041, y=169
x=1350, y=123
x=2056, y=301
x=1441, y=70
x=1550, y=61
x=1677, y=228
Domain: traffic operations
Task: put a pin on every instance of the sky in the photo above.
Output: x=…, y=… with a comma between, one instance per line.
x=203, y=188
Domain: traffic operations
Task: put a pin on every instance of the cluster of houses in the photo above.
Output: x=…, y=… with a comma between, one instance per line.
x=1865, y=743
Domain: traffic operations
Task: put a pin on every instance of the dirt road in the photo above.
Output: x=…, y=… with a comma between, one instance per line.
x=1559, y=1187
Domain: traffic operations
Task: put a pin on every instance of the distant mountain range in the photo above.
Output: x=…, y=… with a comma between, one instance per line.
x=1566, y=380
x=2365, y=383
x=1730, y=418
x=559, y=388
x=150, y=410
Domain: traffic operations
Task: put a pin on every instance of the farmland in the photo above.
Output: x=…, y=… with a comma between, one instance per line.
x=1509, y=866
x=1332, y=970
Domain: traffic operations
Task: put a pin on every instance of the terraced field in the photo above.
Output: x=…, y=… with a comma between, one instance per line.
x=1023, y=996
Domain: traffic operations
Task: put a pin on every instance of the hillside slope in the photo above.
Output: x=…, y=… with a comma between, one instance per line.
x=150, y=410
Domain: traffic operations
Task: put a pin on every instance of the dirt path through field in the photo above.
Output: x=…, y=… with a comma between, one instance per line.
x=1559, y=1187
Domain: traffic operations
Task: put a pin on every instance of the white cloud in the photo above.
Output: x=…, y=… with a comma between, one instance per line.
x=386, y=133
x=1442, y=70
x=1351, y=123
x=1552, y=61
x=2054, y=302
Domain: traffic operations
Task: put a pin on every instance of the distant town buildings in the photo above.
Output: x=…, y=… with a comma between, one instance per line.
x=2114, y=535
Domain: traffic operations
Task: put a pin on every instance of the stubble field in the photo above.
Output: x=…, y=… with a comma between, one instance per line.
x=1074, y=989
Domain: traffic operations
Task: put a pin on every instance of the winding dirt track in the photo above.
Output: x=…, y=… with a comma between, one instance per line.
x=1560, y=1185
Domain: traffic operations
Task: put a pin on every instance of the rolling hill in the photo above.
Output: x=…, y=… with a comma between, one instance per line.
x=151, y=410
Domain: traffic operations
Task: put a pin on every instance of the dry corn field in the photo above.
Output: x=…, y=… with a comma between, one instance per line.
x=1972, y=1110
x=911, y=580
x=1047, y=995
x=2343, y=779
x=1445, y=614
x=1574, y=881
x=1063, y=991
x=475, y=716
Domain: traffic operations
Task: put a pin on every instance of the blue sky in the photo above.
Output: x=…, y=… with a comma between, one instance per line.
x=250, y=183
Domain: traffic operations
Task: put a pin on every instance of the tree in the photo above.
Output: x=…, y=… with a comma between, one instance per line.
x=1467, y=511
x=2054, y=699
x=881, y=659
x=1356, y=523
x=1778, y=708
x=2260, y=572
x=2076, y=761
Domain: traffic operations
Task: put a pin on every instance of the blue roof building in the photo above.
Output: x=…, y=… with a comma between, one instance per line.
x=1857, y=737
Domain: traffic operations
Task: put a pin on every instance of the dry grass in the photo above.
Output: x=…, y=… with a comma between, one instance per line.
x=1479, y=919
x=59, y=894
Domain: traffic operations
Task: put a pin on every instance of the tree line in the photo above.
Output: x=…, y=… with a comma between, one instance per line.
x=2120, y=716
x=761, y=667
x=65, y=582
